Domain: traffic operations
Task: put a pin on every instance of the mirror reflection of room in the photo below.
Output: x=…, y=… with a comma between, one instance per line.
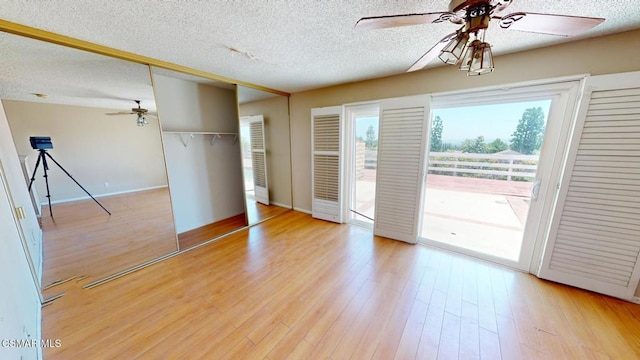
x=264, y=134
x=106, y=147
x=200, y=126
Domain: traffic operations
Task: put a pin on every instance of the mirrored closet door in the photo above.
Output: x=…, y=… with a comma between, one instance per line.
x=200, y=130
x=266, y=154
x=104, y=205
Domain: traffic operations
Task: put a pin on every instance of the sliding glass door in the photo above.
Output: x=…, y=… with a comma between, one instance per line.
x=488, y=161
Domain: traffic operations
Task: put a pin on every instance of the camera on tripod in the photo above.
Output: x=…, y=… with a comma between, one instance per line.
x=41, y=142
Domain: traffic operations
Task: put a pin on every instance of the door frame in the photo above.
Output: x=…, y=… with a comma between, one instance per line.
x=564, y=94
x=351, y=112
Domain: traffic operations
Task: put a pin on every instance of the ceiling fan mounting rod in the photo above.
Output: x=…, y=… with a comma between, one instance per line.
x=460, y=6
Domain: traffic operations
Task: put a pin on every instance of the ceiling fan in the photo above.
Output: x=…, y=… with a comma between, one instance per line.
x=475, y=56
x=142, y=113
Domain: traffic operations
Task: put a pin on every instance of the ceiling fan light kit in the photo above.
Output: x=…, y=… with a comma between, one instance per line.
x=455, y=48
x=475, y=57
x=141, y=120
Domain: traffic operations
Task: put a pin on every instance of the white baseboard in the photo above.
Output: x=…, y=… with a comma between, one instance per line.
x=635, y=299
x=103, y=195
x=302, y=210
x=288, y=206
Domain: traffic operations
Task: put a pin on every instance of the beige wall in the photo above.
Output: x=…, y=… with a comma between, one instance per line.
x=189, y=106
x=95, y=148
x=604, y=55
x=276, y=120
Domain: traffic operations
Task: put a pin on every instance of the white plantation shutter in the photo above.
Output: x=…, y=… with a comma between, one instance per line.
x=326, y=163
x=400, y=171
x=595, y=237
x=259, y=159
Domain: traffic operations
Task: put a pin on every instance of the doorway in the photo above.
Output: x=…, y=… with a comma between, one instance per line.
x=482, y=175
x=362, y=153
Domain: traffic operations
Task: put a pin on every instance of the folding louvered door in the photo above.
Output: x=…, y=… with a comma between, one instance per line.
x=259, y=159
x=326, y=163
x=400, y=169
x=594, y=241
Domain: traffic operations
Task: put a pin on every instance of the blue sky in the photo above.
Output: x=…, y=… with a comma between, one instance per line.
x=490, y=121
x=460, y=123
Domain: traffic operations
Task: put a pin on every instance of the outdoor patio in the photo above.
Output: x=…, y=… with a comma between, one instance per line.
x=482, y=215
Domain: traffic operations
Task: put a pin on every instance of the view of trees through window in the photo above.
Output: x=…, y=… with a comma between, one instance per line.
x=513, y=132
x=525, y=139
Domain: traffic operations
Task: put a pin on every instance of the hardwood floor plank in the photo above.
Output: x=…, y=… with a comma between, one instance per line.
x=322, y=315
x=508, y=336
x=469, y=332
x=470, y=281
x=357, y=328
x=83, y=240
x=454, y=291
x=299, y=288
x=304, y=350
x=408, y=346
x=201, y=234
x=375, y=331
x=388, y=346
x=489, y=345
x=268, y=342
x=332, y=335
x=432, y=332
x=450, y=339
x=486, y=317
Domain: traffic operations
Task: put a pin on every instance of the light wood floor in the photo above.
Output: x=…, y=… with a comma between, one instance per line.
x=191, y=238
x=83, y=240
x=257, y=212
x=297, y=288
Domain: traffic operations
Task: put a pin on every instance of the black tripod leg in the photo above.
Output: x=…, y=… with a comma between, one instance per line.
x=46, y=182
x=35, y=169
x=77, y=183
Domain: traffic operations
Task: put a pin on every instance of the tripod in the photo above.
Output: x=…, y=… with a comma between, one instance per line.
x=42, y=157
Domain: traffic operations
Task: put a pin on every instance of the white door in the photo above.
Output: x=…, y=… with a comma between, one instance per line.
x=326, y=163
x=259, y=159
x=400, y=170
x=594, y=242
x=20, y=302
x=29, y=225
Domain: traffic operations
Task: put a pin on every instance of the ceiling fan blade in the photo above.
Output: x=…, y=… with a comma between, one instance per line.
x=432, y=53
x=382, y=22
x=120, y=113
x=552, y=24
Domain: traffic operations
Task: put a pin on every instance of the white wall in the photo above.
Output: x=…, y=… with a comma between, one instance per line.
x=205, y=180
x=19, y=301
x=93, y=147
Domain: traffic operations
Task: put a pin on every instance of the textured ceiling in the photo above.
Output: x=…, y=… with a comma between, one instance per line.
x=288, y=45
x=69, y=76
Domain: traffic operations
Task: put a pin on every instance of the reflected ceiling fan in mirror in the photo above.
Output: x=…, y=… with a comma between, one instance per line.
x=142, y=113
x=467, y=46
